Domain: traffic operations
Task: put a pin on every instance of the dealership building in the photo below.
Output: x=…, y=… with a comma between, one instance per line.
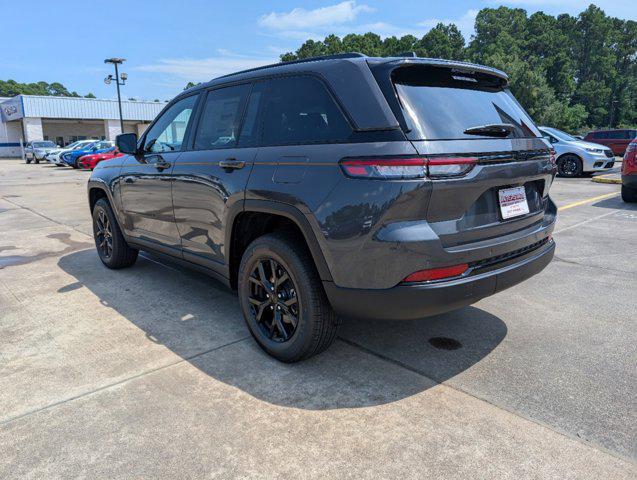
x=64, y=120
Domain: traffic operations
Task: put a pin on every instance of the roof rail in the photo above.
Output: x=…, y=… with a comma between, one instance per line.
x=301, y=60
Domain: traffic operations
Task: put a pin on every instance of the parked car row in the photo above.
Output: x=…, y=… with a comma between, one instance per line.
x=83, y=154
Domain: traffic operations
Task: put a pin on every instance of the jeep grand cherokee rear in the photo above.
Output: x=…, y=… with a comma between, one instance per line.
x=339, y=186
x=467, y=215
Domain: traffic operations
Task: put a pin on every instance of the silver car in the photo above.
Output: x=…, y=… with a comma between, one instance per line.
x=36, y=151
x=575, y=156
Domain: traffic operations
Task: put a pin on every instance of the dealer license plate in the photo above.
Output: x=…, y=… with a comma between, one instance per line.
x=513, y=202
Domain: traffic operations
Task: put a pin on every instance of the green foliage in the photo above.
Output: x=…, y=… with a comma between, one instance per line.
x=568, y=72
x=190, y=85
x=10, y=88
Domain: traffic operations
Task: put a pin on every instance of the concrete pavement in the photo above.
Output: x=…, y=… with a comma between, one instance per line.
x=150, y=371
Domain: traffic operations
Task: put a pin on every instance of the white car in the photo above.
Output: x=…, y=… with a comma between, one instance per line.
x=36, y=151
x=575, y=156
x=54, y=156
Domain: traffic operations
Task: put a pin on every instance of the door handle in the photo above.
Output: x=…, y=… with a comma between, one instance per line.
x=232, y=164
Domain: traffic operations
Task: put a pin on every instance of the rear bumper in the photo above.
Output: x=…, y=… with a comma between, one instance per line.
x=408, y=302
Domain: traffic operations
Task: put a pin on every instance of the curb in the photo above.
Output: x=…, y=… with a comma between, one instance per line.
x=603, y=179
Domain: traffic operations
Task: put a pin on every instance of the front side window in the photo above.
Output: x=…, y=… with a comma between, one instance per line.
x=220, y=118
x=298, y=110
x=168, y=132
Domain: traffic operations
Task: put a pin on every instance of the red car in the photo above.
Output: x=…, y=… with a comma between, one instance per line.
x=629, y=173
x=88, y=162
x=616, y=140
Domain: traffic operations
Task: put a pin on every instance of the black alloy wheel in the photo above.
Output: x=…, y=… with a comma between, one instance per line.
x=569, y=166
x=282, y=298
x=274, y=304
x=112, y=248
x=103, y=235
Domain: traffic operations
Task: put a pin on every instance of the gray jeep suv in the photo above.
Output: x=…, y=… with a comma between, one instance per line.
x=383, y=188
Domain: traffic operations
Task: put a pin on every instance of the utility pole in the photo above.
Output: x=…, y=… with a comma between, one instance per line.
x=117, y=78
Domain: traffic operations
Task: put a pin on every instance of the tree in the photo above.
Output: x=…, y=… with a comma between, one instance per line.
x=10, y=88
x=442, y=41
x=566, y=71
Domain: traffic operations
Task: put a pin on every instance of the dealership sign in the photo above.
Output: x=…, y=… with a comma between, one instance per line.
x=11, y=109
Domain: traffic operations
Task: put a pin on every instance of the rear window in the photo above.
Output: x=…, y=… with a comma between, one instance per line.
x=441, y=103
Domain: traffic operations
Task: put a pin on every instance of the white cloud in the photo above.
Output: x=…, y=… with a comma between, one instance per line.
x=204, y=69
x=301, y=19
x=465, y=23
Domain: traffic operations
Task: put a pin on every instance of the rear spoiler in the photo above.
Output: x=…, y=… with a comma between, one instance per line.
x=465, y=67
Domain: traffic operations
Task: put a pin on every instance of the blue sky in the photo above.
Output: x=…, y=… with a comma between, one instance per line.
x=167, y=44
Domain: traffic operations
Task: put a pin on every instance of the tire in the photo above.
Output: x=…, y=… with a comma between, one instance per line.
x=121, y=255
x=569, y=166
x=36, y=160
x=316, y=321
x=27, y=159
x=629, y=195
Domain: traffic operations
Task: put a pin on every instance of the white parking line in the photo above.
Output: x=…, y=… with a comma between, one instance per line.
x=585, y=222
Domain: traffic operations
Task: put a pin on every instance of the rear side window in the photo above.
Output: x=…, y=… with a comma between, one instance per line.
x=220, y=119
x=441, y=103
x=617, y=134
x=293, y=110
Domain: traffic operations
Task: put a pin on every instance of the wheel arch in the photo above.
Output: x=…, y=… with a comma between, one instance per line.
x=579, y=157
x=270, y=216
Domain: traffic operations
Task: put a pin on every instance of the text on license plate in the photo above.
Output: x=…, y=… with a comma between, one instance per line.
x=513, y=202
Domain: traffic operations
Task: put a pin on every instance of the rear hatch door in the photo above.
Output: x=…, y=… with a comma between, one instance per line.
x=468, y=113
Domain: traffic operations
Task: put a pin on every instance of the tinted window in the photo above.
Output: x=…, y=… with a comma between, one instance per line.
x=167, y=133
x=616, y=134
x=43, y=144
x=297, y=110
x=220, y=119
x=251, y=131
x=439, y=103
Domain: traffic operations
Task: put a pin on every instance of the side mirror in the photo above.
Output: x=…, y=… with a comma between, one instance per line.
x=127, y=143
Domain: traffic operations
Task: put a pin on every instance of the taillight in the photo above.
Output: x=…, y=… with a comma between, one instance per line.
x=402, y=168
x=437, y=273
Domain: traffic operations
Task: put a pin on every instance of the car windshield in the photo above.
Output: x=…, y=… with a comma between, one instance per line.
x=560, y=134
x=442, y=104
x=43, y=144
x=83, y=145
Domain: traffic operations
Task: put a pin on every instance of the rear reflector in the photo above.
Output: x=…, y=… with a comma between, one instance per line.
x=406, y=167
x=437, y=273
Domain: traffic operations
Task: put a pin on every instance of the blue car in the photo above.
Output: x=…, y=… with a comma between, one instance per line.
x=99, y=146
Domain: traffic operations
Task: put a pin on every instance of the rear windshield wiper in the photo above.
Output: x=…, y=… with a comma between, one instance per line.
x=499, y=130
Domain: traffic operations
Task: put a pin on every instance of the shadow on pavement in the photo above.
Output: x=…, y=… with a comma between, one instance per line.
x=615, y=203
x=373, y=363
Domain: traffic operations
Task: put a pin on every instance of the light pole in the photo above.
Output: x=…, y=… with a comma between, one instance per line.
x=117, y=78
